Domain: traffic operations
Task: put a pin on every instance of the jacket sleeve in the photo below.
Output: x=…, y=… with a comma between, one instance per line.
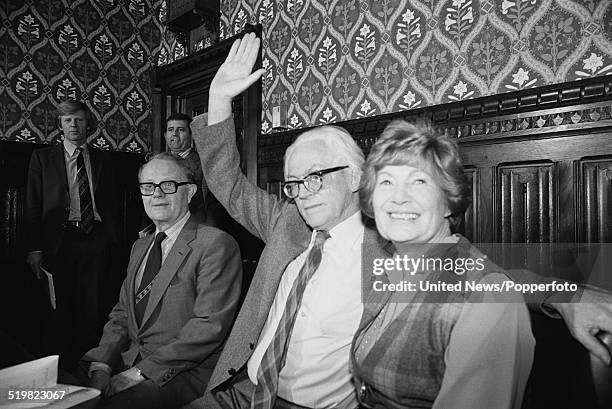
x=218, y=284
x=251, y=206
x=489, y=355
x=34, y=204
x=538, y=299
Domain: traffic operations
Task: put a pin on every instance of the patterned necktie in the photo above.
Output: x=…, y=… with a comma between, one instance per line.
x=273, y=360
x=150, y=271
x=87, y=215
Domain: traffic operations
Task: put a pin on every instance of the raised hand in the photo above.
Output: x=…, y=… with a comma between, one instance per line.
x=233, y=77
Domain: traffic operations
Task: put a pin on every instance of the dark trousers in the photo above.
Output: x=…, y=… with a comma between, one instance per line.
x=235, y=393
x=83, y=278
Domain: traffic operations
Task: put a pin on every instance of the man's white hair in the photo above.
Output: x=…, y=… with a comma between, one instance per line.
x=337, y=139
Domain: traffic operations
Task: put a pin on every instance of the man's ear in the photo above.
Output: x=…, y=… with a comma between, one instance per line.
x=355, y=178
x=193, y=188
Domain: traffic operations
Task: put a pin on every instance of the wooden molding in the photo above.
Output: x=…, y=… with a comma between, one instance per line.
x=553, y=110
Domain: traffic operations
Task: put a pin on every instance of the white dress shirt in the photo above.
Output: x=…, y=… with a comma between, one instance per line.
x=316, y=373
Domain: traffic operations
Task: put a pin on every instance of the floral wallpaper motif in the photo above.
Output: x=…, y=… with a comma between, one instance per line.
x=334, y=60
x=170, y=50
x=99, y=51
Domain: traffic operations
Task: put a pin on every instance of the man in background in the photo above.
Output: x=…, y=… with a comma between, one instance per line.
x=176, y=304
x=180, y=143
x=71, y=216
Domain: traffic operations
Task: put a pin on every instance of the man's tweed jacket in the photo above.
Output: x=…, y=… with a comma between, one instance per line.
x=277, y=222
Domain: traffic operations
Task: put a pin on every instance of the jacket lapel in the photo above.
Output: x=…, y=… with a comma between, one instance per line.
x=140, y=249
x=59, y=162
x=179, y=251
x=294, y=244
x=96, y=166
x=375, y=248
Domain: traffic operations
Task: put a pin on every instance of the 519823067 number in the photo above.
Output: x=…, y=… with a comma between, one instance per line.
x=33, y=394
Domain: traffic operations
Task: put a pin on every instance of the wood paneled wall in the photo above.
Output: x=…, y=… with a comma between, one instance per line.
x=540, y=160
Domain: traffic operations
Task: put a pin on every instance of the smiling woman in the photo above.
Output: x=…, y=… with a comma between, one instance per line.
x=429, y=161
x=430, y=344
x=409, y=206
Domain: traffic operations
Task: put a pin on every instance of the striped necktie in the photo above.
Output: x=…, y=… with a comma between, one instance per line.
x=273, y=360
x=151, y=269
x=87, y=214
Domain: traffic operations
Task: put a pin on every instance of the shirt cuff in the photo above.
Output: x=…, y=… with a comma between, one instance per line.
x=140, y=373
x=547, y=309
x=560, y=297
x=99, y=366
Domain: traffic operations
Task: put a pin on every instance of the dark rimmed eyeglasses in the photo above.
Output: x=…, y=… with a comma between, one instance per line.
x=313, y=182
x=167, y=186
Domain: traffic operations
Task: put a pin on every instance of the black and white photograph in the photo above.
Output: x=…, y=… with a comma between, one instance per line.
x=306, y=204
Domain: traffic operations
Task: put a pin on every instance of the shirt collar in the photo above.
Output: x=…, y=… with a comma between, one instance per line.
x=70, y=147
x=347, y=227
x=347, y=232
x=174, y=230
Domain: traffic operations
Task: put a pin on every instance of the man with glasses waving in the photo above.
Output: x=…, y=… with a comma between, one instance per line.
x=176, y=304
x=290, y=344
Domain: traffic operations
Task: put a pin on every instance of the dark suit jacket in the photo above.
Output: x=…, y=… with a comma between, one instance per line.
x=198, y=204
x=48, y=198
x=190, y=309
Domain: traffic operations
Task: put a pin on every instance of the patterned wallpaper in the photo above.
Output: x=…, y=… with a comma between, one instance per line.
x=326, y=60
x=99, y=51
x=334, y=60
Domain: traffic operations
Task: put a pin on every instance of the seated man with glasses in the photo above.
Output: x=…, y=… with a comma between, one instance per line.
x=176, y=304
x=291, y=342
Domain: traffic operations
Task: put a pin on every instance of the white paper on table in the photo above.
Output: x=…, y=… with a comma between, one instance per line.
x=38, y=374
x=52, y=299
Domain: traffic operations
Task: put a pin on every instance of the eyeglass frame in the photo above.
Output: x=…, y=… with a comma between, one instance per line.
x=318, y=174
x=158, y=185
